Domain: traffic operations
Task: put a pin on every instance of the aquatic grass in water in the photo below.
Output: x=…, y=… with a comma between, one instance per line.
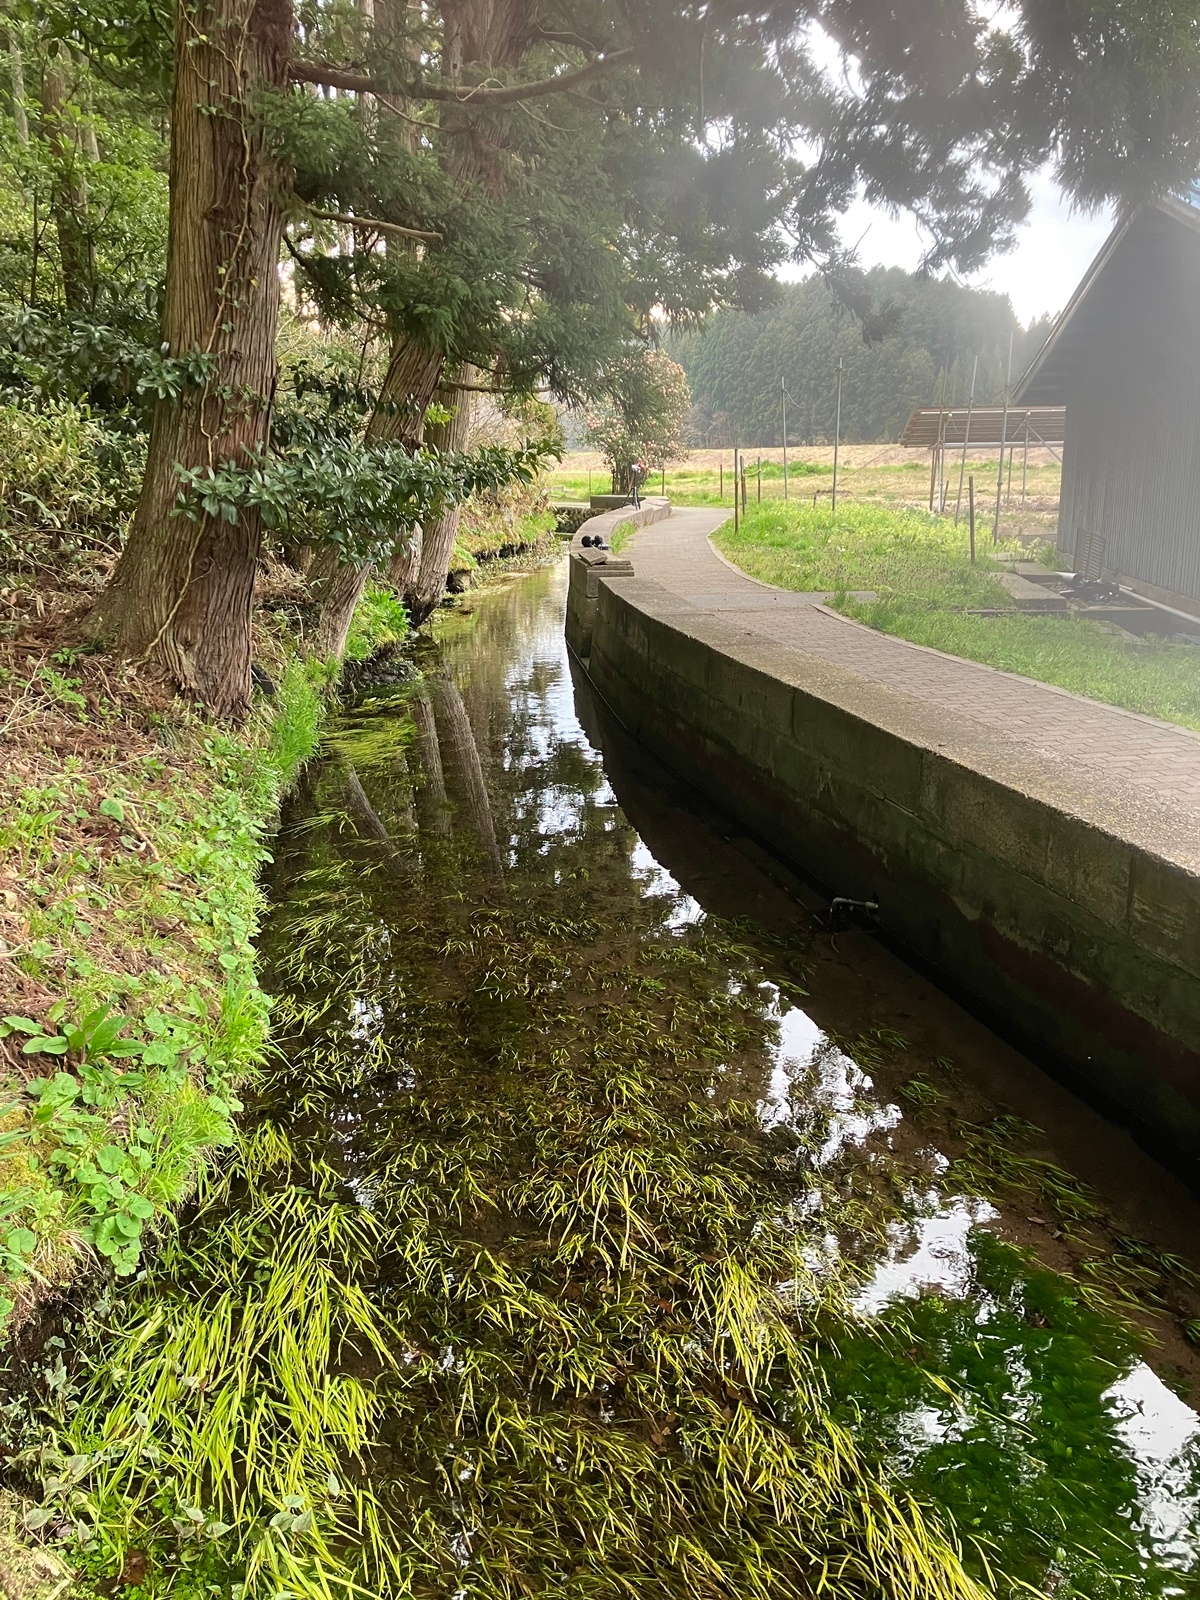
x=559, y=1321
x=502, y=1311
x=511, y=1289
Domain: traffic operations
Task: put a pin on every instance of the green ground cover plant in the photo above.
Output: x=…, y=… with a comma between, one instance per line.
x=380, y=621
x=925, y=589
x=132, y=898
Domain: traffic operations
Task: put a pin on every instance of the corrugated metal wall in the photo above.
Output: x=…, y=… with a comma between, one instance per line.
x=1131, y=469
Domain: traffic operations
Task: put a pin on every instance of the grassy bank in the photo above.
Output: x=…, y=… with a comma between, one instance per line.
x=130, y=844
x=132, y=832
x=925, y=589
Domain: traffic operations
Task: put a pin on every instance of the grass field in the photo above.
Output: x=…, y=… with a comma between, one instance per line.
x=920, y=571
x=872, y=473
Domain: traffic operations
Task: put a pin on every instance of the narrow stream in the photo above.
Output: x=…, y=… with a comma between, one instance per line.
x=567, y=1062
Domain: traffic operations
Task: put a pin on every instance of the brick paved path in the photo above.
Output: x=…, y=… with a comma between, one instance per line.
x=1102, y=746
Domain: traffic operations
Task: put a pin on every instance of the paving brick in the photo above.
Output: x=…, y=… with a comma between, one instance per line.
x=1096, y=744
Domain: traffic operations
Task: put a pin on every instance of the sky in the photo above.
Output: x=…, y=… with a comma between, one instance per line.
x=1054, y=249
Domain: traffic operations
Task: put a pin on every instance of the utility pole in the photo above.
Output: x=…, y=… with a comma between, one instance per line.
x=966, y=440
x=783, y=391
x=837, y=432
x=1003, y=441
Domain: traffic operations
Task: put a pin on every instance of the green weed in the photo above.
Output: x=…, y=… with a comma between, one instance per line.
x=925, y=587
x=622, y=533
x=379, y=620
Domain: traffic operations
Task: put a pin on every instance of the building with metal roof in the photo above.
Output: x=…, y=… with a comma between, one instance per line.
x=987, y=427
x=1124, y=359
x=950, y=431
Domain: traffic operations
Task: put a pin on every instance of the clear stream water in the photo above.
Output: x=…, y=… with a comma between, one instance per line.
x=982, y=1218
x=1024, y=1409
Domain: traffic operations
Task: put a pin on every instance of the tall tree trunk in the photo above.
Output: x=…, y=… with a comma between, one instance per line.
x=408, y=387
x=427, y=587
x=459, y=744
x=88, y=142
x=337, y=586
x=406, y=563
x=68, y=191
x=182, y=591
x=476, y=32
x=16, y=78
x=495, y=32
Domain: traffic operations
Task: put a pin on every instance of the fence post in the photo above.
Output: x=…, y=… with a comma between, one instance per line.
x=837, y=432
x=783, y=391
x=966, y=441
x=971, y=513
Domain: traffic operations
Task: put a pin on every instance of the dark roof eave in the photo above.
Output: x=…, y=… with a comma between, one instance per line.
x=1044, y=380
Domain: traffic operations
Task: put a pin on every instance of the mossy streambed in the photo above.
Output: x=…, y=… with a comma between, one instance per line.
x=592, y=1238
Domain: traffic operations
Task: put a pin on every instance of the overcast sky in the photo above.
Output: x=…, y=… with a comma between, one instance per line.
x=1055, y=247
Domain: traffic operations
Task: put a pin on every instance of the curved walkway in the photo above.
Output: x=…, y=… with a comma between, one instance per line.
x=1119, y=769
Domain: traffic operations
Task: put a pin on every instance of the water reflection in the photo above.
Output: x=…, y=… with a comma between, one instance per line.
x=575, y=1216
x=1003, y=1395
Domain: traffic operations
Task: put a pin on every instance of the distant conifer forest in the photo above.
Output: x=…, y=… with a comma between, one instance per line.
x=900, y=336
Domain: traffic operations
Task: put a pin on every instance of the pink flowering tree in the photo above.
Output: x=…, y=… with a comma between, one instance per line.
x=641, y=415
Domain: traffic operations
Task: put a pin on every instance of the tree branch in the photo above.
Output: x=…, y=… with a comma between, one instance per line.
x=372, y=223
x=482, y=94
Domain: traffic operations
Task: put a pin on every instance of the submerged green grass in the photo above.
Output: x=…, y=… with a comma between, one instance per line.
x=563, y=1340
x=925, y=586
x=509, y=1291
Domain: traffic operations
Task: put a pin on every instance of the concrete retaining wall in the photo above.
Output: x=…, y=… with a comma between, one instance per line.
x=587, y=565
x=1082, y=945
